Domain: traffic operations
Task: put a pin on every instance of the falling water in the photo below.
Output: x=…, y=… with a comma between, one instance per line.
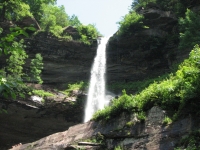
x=96, y=95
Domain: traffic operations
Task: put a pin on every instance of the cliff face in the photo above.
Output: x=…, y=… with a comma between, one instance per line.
x=64, y=61
x=27, y=121
x=147, y=52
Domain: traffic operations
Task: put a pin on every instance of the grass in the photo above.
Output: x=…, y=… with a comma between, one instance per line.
x=172, y=93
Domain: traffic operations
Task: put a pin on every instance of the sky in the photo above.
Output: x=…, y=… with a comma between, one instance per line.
x=104, y=14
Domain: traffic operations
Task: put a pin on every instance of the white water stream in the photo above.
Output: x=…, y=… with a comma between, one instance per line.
x=96, y=94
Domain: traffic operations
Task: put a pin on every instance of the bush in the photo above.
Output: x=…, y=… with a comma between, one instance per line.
x=42, y=93
x=189, y=30
x=130, y=23
x=170, y=94
x=87, y=33
x=75, y=86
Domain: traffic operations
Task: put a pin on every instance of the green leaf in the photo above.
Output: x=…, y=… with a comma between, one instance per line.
x=30, y=28
x=24, y=33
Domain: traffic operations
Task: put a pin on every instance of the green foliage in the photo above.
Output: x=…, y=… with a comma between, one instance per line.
x=141, y=116
x=172, y=93
x=11, y=83
x=125, y=103
x=189, y=30
x=190, y=141
x=16, y=59
x=36, y=7
x=75, y=86
x=118, y=147
x=141, y=3
x=54, y=18
x=134, y=87
x=74, y=21
x=167, y=120
x=9, y=43
x=87, y=33
x=41, y=93
x=130, y=124
x=36, y=68
x=130, y=23
x=14, y=10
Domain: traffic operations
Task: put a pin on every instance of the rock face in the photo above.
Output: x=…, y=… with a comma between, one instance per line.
x=150, y=135
x=64, y=61
x=72, y=32
x=27, y=120
x=27, y=22
x=145, y=52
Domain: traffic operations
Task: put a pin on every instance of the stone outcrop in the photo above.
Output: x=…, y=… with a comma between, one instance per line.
x=72, y=31
x=29, y=22
x=149, y=135
x=146, y=52
x=27, y=121
x=64, y=61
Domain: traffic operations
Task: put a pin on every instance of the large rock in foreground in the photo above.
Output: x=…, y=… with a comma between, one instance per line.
x=125, y=131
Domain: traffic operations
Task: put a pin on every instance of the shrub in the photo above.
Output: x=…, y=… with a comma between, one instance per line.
x=41, y=93
x=36, y=68
x=167, y=120
x=189, y=30
x=130, y=23
x=170, y=94
x=75, y=86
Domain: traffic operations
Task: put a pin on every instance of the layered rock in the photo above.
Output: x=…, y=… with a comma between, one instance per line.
x=25, y=120
x=146, y=52
x=150, y=135
x=64, y=61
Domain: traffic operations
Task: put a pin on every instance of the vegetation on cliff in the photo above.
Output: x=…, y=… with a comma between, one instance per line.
x=179, y=91
x=50, y=17
x=172, y=94
x=13, y=76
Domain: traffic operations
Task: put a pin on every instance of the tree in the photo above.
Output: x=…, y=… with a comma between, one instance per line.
x=16, y=59
x=130, y=23
x=87, y=33
x=36, y=7
x=36, y=68
x=189, y=30
x=11, y=82
x=54, y=19
x=13, y=10
x=74, y=21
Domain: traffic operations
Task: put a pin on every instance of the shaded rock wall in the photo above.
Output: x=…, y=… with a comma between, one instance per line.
x=146, y=52
x=27, y=121
x=64, y=61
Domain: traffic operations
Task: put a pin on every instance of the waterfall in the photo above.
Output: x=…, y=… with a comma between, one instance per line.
x=96, y=94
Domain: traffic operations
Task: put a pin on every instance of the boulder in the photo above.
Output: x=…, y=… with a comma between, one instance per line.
x=29, y=22
x=72, y=31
